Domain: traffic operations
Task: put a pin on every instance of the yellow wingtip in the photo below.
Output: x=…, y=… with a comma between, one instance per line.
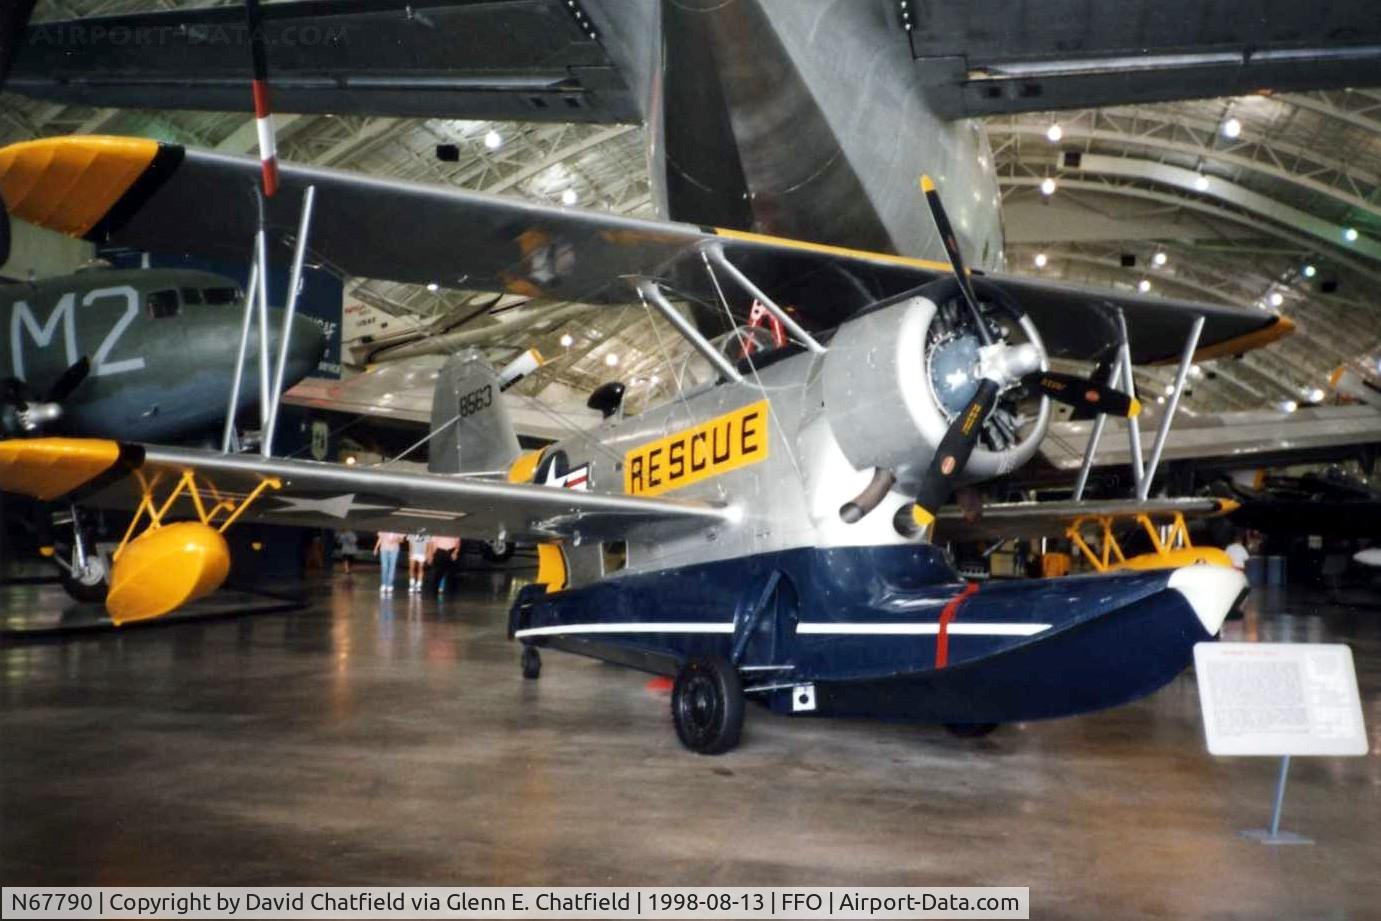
x=927, y=184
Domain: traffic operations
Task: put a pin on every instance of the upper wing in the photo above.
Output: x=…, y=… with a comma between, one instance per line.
x=532, y=60
x=1234, y=440
x=1007, y=521
x=149, y=195
x=404, y=390
x=986, y=57
x=106, y=474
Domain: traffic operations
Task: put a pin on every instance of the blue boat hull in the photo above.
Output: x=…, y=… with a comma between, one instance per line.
x=891, y=633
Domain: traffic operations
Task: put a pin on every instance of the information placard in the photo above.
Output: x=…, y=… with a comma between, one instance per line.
x=1279, y=699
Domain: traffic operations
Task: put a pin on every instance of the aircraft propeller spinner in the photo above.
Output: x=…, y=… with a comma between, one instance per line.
x=999, y=367
x=23, y=413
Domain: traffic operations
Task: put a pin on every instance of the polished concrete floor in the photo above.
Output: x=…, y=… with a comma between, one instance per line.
x=366, y=741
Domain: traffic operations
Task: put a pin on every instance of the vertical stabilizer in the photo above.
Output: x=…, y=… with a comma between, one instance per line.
x=471, y=429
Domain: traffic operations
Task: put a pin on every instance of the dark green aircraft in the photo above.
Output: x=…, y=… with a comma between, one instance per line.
x=139, y=354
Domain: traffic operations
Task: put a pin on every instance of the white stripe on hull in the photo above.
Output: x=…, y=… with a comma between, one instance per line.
x=923, y=629
x=627, y=628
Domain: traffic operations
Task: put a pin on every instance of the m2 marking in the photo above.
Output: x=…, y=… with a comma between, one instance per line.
x=22, y=318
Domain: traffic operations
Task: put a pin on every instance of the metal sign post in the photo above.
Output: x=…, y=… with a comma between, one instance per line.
x=1280, y=699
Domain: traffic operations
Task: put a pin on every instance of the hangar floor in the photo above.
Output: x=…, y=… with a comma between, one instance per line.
x=392, y=741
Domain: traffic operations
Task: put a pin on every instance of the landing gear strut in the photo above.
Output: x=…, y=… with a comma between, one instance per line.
x=85, y=575
x=707, y=706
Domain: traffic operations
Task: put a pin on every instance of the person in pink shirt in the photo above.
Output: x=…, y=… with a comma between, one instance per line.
x=442, y=553
x=386, y=549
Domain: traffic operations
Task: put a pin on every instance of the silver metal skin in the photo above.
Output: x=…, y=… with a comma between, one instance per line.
x=304, y=228
x=228, y=435
x=261, y=298
x=471, y=431
x=1191, y=343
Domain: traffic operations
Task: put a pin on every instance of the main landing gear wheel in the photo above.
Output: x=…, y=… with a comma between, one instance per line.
x=707, y=706
x=970, y=730
x=532, y=663
x=87, y=582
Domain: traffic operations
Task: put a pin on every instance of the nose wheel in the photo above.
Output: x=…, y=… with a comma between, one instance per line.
x=707, y=706
x=531, y=662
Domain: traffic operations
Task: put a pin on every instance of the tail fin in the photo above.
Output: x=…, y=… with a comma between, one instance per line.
x=471, y=429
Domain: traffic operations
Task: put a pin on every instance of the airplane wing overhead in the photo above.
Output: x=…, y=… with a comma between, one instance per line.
x=135, y=192
x=104, y=474
x=530, y=60
x=997, y=56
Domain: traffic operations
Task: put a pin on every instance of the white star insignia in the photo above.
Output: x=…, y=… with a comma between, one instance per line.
x=335, y=506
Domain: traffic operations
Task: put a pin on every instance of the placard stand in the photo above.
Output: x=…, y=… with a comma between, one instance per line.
x=1274, y=835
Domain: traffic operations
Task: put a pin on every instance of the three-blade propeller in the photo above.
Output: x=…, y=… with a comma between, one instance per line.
x=961, y=438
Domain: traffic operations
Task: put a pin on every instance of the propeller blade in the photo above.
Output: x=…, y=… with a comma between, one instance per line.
x=1084, y=394
x=70, y=380
x=953, y=454
x=956, y=259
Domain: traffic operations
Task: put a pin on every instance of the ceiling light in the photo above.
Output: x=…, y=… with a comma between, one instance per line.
x=1350, y=234
x=1054, y=133
x=1277, y=298
x=351, y=460
x=612, y=359
x=1316, y=395
x=1196, y=370
x=1288, y=406
x=1040, y=260
x=432, y=286
x=1201, y=183
x=492, y=140
x=654, y=380
x=568, y=197
x=1160, y=400
x=1160, y=258
x=1143, y=286
x=567, y=340
x=1232, y=128
x=1169, y=389
x=1047, y=186
x=1310, y=271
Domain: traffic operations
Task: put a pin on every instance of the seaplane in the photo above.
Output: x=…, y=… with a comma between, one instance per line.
x=776, y=531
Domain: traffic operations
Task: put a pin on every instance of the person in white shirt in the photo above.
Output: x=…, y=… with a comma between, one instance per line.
x=417, y=561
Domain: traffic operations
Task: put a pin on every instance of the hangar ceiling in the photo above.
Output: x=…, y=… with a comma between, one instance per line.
x=1165, y=195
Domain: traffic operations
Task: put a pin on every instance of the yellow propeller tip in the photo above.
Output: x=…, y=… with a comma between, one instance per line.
x=921, y=517
x=927, y=184
x=1134, y=410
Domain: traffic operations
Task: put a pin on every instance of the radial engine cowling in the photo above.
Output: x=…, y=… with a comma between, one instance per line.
x=881, y=399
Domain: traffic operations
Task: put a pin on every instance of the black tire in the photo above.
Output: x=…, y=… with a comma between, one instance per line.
x=970, y=730
x=81, y=591
x=532, y=663
x=707, y=706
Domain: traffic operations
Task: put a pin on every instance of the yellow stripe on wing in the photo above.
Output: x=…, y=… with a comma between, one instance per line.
x=69, y=184
x=828, y=250
x=47, y=468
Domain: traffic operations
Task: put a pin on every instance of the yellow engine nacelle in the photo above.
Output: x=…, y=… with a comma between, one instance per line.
x=165, y=568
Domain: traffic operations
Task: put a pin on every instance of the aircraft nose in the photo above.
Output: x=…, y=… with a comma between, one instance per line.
x=1210, y=590
x=307, y=346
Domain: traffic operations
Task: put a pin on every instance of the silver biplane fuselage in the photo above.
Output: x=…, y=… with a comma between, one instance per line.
x=826, y=616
